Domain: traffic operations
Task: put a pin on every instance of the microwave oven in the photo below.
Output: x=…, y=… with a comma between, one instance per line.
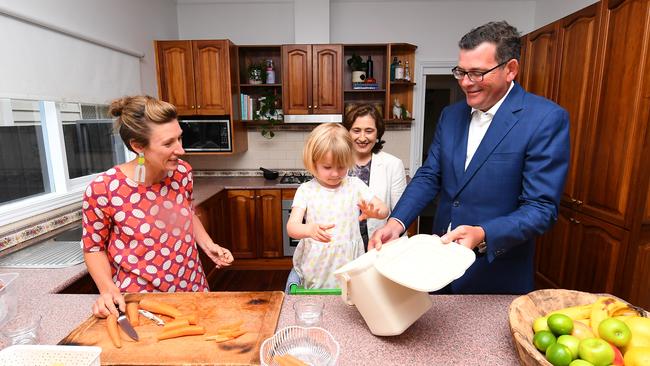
x=206, y=135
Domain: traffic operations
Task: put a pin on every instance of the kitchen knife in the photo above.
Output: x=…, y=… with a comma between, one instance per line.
x=123, y=321
x=151, y=316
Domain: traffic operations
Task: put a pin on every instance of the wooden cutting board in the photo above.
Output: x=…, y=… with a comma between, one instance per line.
x=259, y=312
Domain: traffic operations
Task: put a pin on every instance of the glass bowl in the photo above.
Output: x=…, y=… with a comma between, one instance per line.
x=22, y=329
x=314, y=346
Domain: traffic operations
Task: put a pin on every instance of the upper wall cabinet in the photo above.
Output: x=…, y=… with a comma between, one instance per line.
x=311, y=78
x=194, y=76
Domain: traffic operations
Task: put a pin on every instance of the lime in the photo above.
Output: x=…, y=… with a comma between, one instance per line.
x=540, y=324
x=559, y=355
x=560, y=324
x=543, y=339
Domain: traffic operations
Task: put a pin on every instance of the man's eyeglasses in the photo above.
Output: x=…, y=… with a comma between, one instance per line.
x=474, y=76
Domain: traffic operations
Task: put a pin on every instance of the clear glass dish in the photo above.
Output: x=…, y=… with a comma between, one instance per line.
x=313, y=346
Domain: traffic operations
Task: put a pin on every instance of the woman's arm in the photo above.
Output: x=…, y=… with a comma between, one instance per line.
x=219, y=255
x=109, y=295
x=297, y=230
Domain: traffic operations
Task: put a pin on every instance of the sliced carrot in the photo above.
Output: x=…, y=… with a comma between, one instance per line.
x=113, y=332
x=189, y=330
x=159, y=307
x=175, y=325
x=235, y=334
x=294, y=360
x=132, y=313
x=217, y=338
x=193, y=318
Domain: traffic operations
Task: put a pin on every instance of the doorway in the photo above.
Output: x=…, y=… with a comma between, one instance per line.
x=441, y=91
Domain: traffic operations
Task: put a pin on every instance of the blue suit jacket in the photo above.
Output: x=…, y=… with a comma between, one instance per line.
x=511, y=188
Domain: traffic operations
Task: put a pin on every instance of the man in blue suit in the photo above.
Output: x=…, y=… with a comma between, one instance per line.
x=498, y=163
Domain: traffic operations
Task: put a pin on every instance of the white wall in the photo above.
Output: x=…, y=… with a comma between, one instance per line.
x=548, y=11
x=128, y=24
x=244, y=22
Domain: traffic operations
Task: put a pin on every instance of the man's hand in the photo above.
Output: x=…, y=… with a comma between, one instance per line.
x=392, y=230
x=319, y=232
x=219, y=255
x=465, y=235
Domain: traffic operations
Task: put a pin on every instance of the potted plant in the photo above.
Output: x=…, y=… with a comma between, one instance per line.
x=256, y=73
x=358, y=67
x=268, y=110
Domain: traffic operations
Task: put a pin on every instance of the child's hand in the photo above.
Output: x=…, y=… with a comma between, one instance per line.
x=368, y=210
x=319, y=232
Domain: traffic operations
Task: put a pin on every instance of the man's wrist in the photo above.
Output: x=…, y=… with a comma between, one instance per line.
x=397, y=224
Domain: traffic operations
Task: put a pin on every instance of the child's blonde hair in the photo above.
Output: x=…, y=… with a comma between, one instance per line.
x=328, y=138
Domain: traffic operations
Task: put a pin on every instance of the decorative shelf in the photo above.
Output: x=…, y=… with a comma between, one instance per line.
x=402, y=83
x=399, y=121
x=365, y=90
x=259, y=85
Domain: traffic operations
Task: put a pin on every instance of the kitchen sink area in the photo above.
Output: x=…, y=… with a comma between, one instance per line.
x=60, y=251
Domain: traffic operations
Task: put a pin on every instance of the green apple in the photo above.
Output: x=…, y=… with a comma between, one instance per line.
x=571, y=342
x=580, y=362
x=596, y=351
x=614, y=331
x=540, y=324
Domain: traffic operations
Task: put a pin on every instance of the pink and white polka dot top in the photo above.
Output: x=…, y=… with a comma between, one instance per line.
x=147, y=232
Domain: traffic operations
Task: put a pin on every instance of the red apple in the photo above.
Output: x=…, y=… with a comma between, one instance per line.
x=618, y=356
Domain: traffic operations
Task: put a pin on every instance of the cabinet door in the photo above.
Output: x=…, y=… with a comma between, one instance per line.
x=204, y=214
x=241, y=205
x=176, y=75
x=613, y=151
x=552, y=251
x=600, y=254
x=578, y=34
x=296, y=79
x=539, y=60
x=269, y=223
x=327, y=89
x=211, y=65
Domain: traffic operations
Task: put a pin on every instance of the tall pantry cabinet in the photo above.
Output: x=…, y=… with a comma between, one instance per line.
x=599, y=70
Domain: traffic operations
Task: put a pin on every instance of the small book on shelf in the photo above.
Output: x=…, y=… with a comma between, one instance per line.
x=365, y=86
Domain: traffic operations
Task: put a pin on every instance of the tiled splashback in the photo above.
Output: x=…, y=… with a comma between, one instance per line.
x=284, y=152
x=39, y=225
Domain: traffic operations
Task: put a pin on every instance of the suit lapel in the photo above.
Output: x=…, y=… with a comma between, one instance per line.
x=460, y=145
x=501, y=124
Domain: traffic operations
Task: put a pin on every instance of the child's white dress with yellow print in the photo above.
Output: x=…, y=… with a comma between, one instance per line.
x=315, y=261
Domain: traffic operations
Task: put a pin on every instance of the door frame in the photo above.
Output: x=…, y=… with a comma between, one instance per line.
x=438, y=67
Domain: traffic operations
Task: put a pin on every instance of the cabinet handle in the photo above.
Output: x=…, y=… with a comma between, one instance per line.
x=309, y=106
x=252, y=197
x=576, y=221
x=315, y=107
x=573, y=200
x=198, y=107
x=192, y=107
x=578, y=202
x=571, y=219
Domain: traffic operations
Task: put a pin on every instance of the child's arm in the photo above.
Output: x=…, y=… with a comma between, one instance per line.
x=375, y=209
x=297, y=230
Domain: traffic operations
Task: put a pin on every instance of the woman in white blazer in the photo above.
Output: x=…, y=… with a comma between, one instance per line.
x=382, y=172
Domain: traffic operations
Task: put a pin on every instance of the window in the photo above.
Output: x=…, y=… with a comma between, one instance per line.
x=49, y=152
x=23, y=166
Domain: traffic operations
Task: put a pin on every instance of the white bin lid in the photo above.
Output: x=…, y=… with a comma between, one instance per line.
x=422, y=262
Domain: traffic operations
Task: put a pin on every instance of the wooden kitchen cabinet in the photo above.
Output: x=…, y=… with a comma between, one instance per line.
x=540, y=55
x=213, y=215
x=256, y=223
x=194, y=76
x=311, y=78
x=601, y=76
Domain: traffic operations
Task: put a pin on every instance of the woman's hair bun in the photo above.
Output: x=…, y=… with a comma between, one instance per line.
x=117, y=106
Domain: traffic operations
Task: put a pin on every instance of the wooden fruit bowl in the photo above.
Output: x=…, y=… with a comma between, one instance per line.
x=526, y=308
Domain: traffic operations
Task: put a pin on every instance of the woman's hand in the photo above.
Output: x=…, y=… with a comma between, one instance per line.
x=319, y=232
x=105, y=303
x=219, y=255
x=369, y=211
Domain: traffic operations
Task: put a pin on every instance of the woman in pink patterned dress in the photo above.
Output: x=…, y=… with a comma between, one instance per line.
x=139, y=231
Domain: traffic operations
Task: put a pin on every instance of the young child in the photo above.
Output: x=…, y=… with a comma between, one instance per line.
x=332, y=205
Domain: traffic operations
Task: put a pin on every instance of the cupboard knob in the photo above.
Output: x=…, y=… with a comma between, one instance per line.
x=573, y=200
x=571, y=219
x=315, y=107
x=578, y=202
x=309, y=106
x=576, y=221
x=192, y=107
x=198, y=106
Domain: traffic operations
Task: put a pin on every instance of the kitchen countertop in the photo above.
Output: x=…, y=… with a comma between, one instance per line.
x=458, y=330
